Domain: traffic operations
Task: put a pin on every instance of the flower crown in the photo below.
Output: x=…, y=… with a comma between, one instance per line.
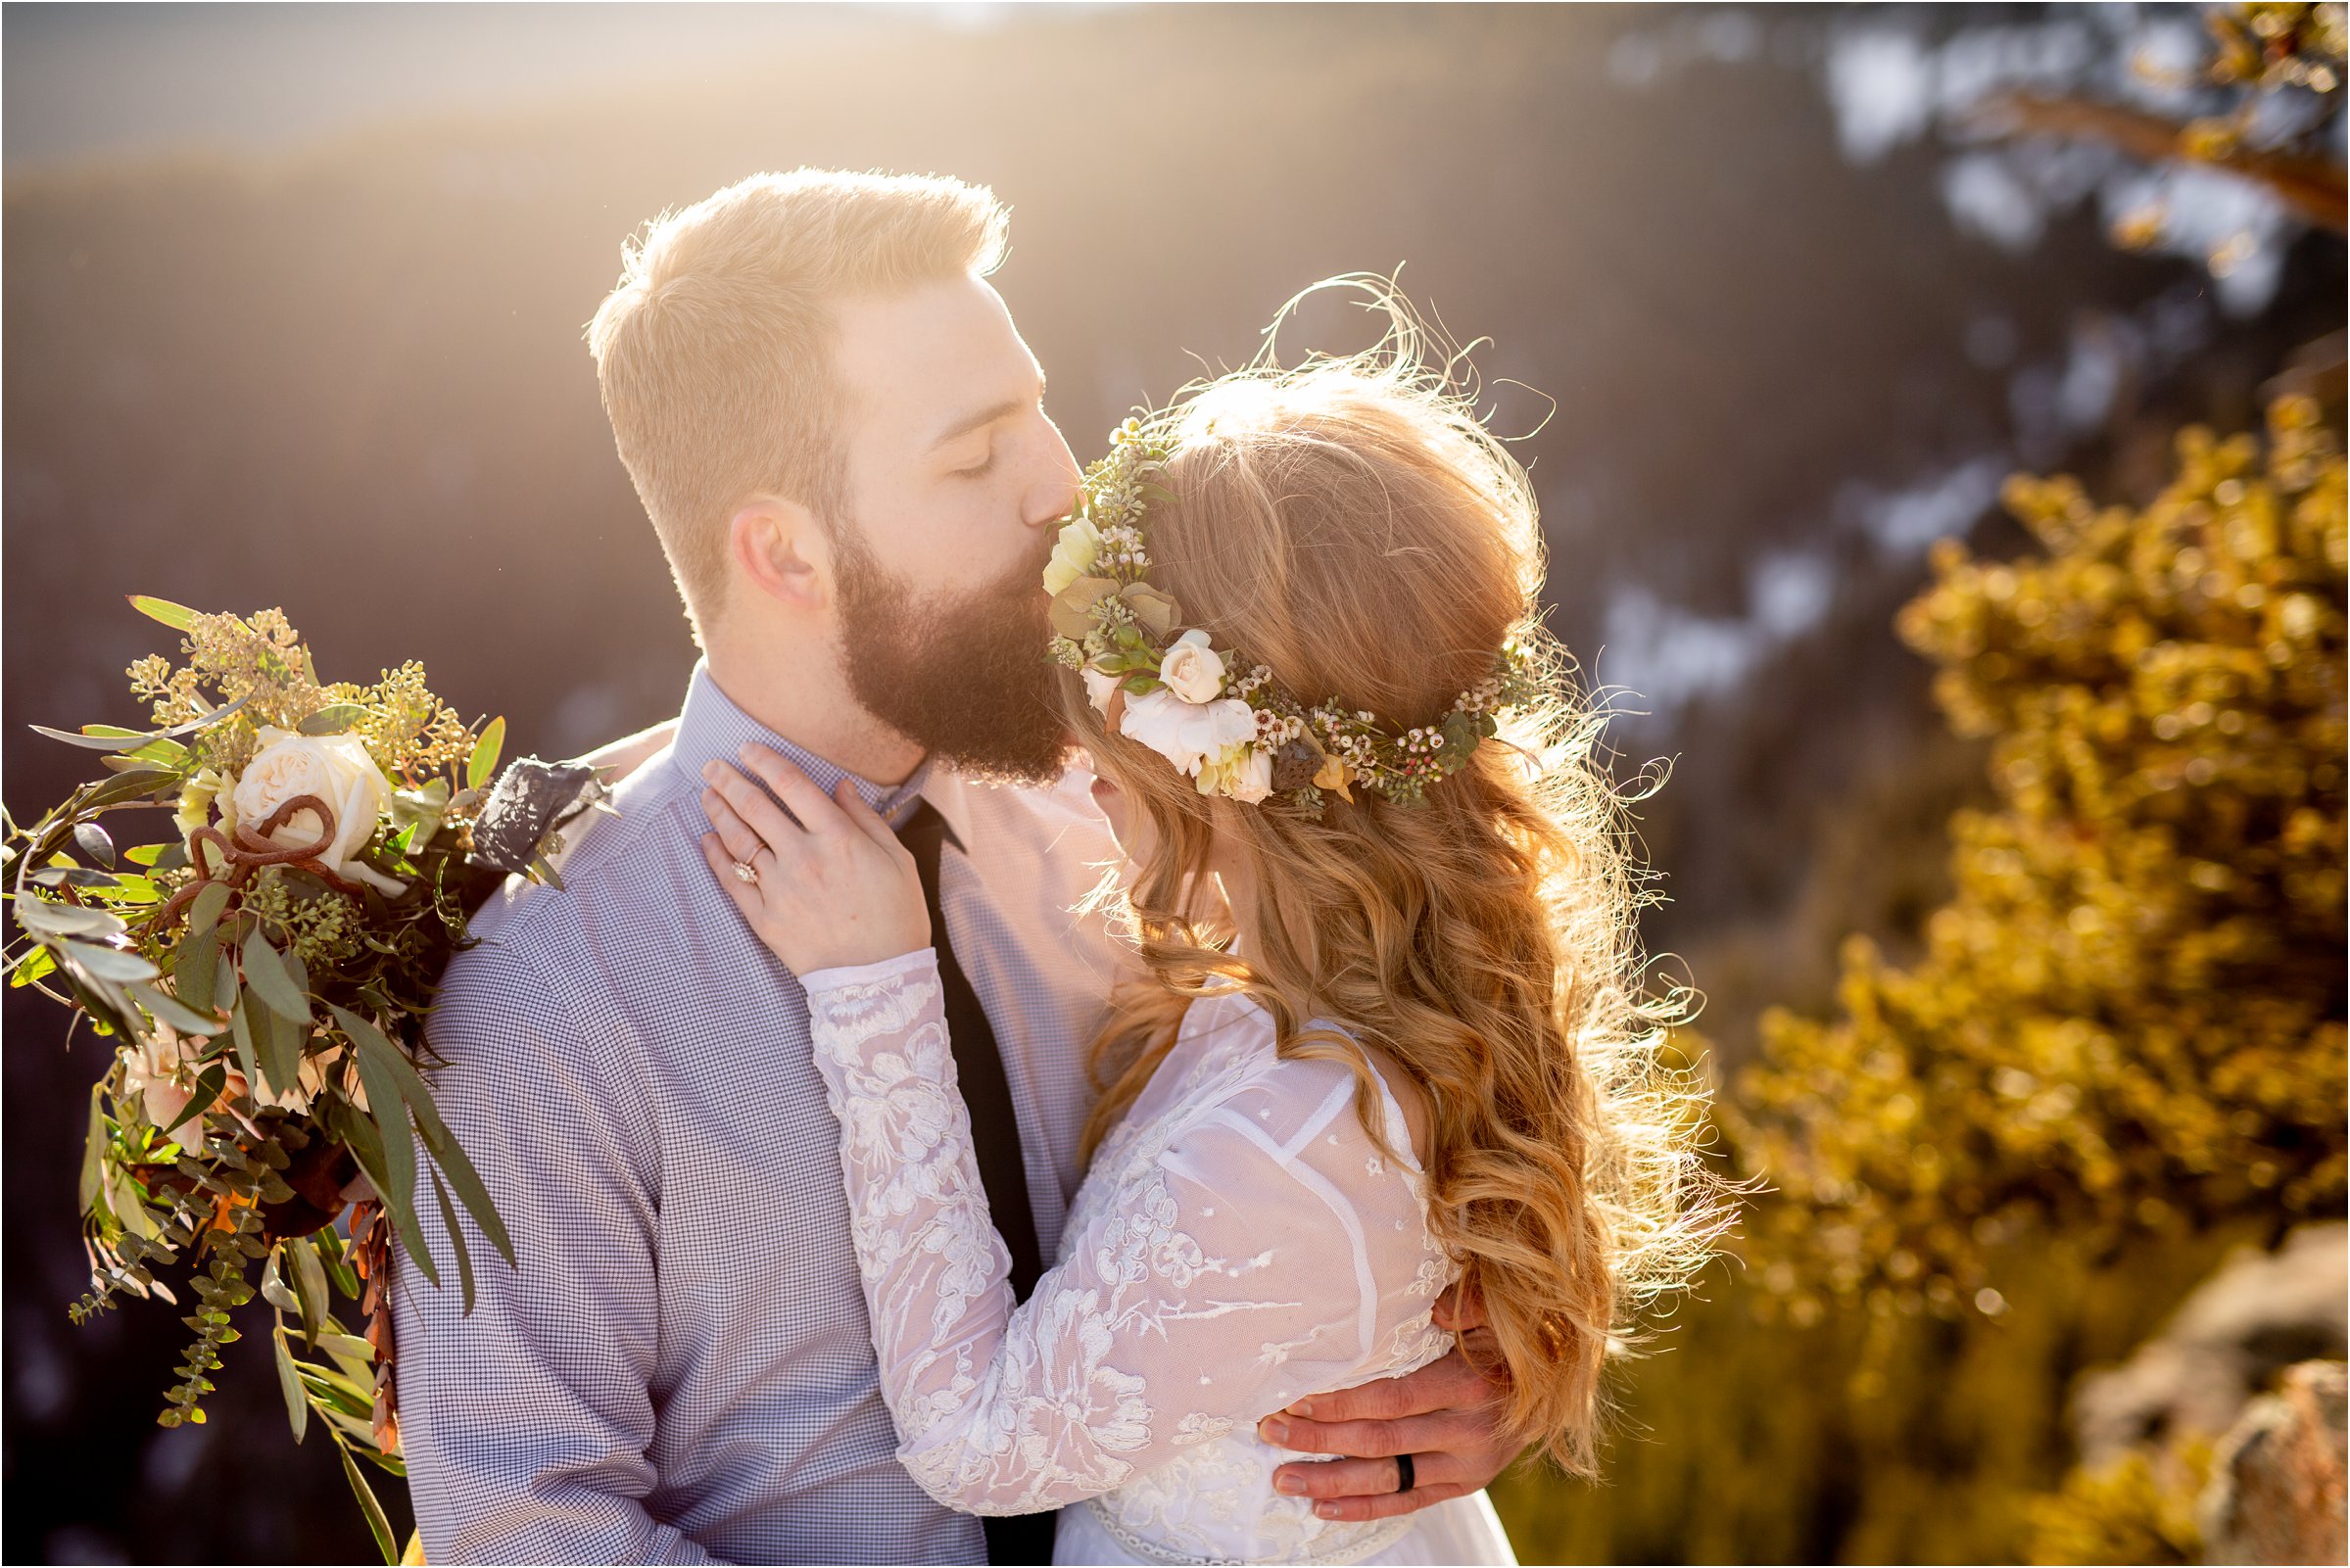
x=1217, y=714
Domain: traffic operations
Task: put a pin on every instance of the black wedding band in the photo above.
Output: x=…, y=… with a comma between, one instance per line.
x=1403, y=1472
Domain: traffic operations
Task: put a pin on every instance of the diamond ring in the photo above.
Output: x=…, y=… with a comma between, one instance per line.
x=745, y=871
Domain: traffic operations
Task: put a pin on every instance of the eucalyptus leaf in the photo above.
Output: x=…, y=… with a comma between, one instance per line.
x=71, y=876
x=337, y=1392
x=36, y=962
x=309, y=1285
x=269, y=1041
x=366, y=1140
x=124, y=1198
x=95, y=842
x=389, y=1108
x=128, y=888
x=334, y=719
x=161, y=754
x=44, y=919
x=274, y=1289
x=289, y=1383
x=93, y=1151
x=420, y=812
x=226, y=1001
x=141, y=781
x=208, y=1089
x=196, y=965
x=106, y=1002
x=205, y=908
x=178, y=617
x=374, y=1510
x=483, y=764
x=266, y=974
x=106, y=963
x=133, y=742
x=371, y=1044
x=186, y=1019
x=464, y=1263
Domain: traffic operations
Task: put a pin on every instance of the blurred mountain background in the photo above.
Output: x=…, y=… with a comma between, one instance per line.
x=292, y=310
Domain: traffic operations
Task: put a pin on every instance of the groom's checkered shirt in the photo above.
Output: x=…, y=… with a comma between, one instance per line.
x=679, y=1368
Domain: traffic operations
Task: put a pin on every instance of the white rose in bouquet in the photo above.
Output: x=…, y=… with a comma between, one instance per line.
x=335, y=767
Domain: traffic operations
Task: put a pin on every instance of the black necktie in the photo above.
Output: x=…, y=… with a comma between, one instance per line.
x=1026, y=1537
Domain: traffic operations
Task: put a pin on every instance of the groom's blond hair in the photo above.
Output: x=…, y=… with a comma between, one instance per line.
x=714, y=350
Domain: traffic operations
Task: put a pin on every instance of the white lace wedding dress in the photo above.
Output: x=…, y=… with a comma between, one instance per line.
x=1238, y=1242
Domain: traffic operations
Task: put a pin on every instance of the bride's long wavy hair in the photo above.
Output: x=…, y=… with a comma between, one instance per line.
x=1352, y=523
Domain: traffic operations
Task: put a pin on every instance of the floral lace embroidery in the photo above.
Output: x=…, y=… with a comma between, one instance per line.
x=1217, y=1264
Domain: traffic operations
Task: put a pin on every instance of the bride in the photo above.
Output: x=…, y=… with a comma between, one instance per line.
x=1390, y=1036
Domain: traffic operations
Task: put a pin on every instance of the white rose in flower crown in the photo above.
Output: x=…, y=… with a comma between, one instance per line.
x=1098, y=687
x=1187, y=733
x=1243, y=772
x=335, y=767
x=1191, y=669
x=1074, y=554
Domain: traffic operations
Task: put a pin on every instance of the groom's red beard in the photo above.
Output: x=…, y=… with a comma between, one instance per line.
x=966, y=677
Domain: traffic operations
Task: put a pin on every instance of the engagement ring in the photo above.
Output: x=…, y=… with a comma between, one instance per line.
x=745, y=871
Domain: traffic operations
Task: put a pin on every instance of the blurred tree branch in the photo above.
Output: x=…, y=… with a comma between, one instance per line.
x=2313, y=187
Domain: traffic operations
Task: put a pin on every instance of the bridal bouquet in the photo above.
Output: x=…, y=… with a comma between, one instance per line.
x=263, y=973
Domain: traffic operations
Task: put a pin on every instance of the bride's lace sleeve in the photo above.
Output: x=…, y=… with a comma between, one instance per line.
x=1252, y=1261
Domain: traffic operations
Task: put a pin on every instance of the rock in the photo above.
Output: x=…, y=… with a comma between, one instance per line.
x=2259, y=1313
x=2277, y=1485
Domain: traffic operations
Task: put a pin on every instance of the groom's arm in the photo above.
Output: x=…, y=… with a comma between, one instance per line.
x=525, y=1423
x=1447, y=1416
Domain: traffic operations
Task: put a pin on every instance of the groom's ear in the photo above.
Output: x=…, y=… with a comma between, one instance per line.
x=779, y=549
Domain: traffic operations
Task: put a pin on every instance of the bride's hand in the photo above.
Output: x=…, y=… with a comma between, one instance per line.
x=832, y=889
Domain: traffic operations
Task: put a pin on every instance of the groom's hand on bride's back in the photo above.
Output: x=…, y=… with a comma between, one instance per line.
x=1447, y=1416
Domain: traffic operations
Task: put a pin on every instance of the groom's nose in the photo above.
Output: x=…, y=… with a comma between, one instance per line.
x=1051, y=496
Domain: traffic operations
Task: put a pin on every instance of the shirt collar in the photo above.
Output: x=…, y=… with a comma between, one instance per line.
x=950, y=792
x=711, y=728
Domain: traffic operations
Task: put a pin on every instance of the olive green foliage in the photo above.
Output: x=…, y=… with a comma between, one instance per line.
x=2138, y=1509
x=1854, y=1437
x=2129, y=1014
x=2120, y=1056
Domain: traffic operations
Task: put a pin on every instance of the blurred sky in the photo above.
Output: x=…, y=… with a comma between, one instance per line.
x=89, y=82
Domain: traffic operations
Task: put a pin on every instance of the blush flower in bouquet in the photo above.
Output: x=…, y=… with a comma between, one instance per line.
x=261, y=971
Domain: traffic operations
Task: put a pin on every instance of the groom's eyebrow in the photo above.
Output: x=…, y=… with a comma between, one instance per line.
x=989, y=415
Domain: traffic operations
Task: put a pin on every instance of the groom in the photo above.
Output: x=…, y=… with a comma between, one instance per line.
x=840, y=441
